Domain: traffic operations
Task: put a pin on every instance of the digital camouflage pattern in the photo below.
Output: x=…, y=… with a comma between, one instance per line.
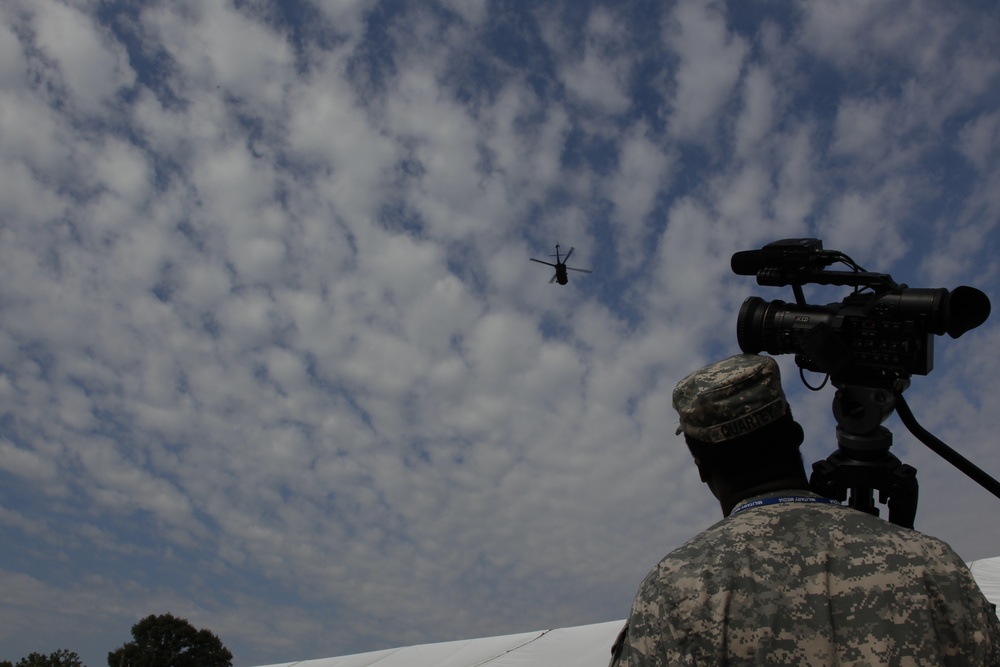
x=730, y=398
x=810, y=584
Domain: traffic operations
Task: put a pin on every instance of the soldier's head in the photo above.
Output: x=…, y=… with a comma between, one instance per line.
x=738, y=424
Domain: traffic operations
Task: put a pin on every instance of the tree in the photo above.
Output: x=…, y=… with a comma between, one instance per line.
x=60, y=658
x=168, y=641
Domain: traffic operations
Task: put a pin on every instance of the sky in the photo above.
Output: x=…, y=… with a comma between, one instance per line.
x=274, y=359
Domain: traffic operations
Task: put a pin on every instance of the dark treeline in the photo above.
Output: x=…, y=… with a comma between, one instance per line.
x=157, y=641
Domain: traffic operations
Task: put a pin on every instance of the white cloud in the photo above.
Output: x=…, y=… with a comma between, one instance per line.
x=757, y=116
x=35, y=136
x=599, y=77
x=215, y=46
x=13, y=65
x=643, y=174
x=94, y=67
x=473, y=11
x=742, y=198
x=26, y=463
x=798, y=182
x=980, y=140
x=697, y=242
x=327, y=124
x=448, y=193
x=865, y=226
x=871, y=40
x=271, y=340
x=711, y=60
x=23, y=197
x=527, y=154
x=862, y=129
x=837, y=29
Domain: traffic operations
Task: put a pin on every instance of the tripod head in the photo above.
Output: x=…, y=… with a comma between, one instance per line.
x=862, y=463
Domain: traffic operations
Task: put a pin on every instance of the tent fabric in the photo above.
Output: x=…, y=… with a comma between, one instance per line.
x=581, y=646
x=987, y=574
x=446, y=654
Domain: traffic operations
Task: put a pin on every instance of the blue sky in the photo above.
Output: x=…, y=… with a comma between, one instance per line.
x=273, y=357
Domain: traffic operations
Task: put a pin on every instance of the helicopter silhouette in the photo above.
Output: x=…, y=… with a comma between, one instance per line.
x=561, y=276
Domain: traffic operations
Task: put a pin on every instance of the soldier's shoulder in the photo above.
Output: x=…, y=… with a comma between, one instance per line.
x=700, y=554
x=895, y=538
x=805, y=533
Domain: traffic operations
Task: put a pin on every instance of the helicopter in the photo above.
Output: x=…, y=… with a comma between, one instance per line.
x=561, y=275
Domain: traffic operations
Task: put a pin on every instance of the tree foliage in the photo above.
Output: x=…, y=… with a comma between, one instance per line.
x=168, y=641
x=60, y=658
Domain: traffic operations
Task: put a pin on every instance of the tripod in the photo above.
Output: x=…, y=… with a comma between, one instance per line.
x=862, y=463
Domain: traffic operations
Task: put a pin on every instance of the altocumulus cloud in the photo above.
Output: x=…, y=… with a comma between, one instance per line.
x=272, y=354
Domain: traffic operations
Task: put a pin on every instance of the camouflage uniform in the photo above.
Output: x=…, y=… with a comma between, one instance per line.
x=810, y=584
x=800, y=583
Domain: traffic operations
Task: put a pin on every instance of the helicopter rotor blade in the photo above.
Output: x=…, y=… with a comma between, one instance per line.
x=553, y=279
x=541, y=262
x=566, y=258
x=570, y=268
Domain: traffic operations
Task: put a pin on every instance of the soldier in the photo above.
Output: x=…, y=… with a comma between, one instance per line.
x=789, y=577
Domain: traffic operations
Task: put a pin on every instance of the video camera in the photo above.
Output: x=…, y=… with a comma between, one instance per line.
x=868, y=345
x=875, y=336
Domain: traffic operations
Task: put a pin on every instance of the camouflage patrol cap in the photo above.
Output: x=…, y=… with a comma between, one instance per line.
x=730, y=398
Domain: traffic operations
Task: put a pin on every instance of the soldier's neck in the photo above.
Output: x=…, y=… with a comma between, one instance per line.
x=730, y=497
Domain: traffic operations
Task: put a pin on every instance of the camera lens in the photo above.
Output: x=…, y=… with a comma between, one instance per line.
x=750, y=325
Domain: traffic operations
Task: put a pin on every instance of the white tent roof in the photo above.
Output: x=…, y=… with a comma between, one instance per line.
x=581, y=646
x=987, y=574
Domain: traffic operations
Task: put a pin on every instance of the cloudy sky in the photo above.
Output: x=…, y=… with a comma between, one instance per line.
x=273, y=357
